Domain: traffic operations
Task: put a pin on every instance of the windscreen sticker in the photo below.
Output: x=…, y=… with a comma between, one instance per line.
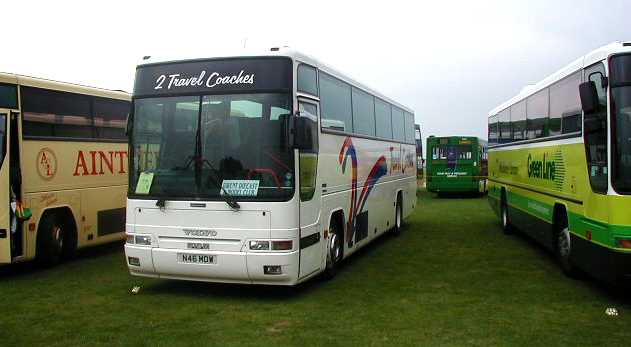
x=144, y=183
x=240, y=187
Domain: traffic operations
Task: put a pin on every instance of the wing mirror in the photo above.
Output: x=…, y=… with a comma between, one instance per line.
x=589, y=92
x=589, y=97
x=305, y=132
x=128, y=124
x=299, y=131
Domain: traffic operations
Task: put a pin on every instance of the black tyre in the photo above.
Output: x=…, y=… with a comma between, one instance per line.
x=564, y=248
x=398, y=217
x=51, y=238
x=506, y=225
x=335, y=253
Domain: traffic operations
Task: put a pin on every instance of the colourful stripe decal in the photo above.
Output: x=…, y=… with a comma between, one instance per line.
x=379, y=170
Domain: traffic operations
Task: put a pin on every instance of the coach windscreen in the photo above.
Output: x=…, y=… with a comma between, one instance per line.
x=621, y=97
x=203, y=129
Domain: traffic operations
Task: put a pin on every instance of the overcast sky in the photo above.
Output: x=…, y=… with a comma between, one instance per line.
x=451, y=61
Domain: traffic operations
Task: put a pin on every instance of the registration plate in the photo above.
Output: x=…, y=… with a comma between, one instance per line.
x=196, y=258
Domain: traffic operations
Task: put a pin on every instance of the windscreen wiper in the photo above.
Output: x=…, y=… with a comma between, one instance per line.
x=229, y=199
x=187, y=164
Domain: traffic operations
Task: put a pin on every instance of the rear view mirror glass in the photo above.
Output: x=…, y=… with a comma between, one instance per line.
x=589, y=97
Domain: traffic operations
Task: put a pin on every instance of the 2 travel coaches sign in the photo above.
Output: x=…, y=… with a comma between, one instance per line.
x=214, y=76
x=214, y=79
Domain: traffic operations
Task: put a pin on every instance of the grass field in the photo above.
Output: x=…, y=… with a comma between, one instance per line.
x=452, y=278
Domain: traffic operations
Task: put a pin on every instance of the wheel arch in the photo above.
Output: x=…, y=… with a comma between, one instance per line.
x=559, y=211
x=337, y=216
x=398, y=194
x=67, y=214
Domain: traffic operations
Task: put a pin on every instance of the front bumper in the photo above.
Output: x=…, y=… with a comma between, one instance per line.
x=229, y=267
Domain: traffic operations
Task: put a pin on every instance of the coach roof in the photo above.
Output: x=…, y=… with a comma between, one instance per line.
x=283, y=52
x=62, y=86
x=584, y=61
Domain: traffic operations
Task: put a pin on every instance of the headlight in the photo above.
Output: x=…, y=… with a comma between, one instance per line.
x=130, y=239
x=259, y=245
x=143, y=240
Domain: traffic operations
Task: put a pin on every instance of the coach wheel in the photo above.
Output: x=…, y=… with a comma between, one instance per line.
x=564, y=251
x=51, y=237
x=506, y=226
x=335, y=251
x=398, y=217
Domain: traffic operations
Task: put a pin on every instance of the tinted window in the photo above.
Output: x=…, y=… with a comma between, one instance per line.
x=620, y=74
x=398, y=124
x=8, y=96
x=409, y=127
x=565, y=106
x=383, y=116
x=53, y=113
x=3, y=136
x=493, y=129
x=537, y=114
x=363, y=113
x=504, y=126
x=596, y=144
x=307, y=79
x=110, y=118
x=518, y=120
x=621, y=175
x=452, y=152
x=335, y=99
x=246, y=109
x=621, y=151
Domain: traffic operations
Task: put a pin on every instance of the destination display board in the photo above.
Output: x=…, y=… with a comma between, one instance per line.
x=214, y=76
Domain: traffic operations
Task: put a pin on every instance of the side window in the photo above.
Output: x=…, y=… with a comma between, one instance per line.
x=307, y=79
x=596, y=133
x=8, y=96
x=383, y=117
x=398, y=124
x=335, y=100
x=537, y=106
x=409, y=127
x=363, y=113
x=53, y=113
x=493, y=129
x=565, y=106
x=504, y=126
x=518, y=120
x=110, y=117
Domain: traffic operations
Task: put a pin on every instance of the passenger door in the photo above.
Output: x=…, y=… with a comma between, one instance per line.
x=5, y=214
x=311, y=240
